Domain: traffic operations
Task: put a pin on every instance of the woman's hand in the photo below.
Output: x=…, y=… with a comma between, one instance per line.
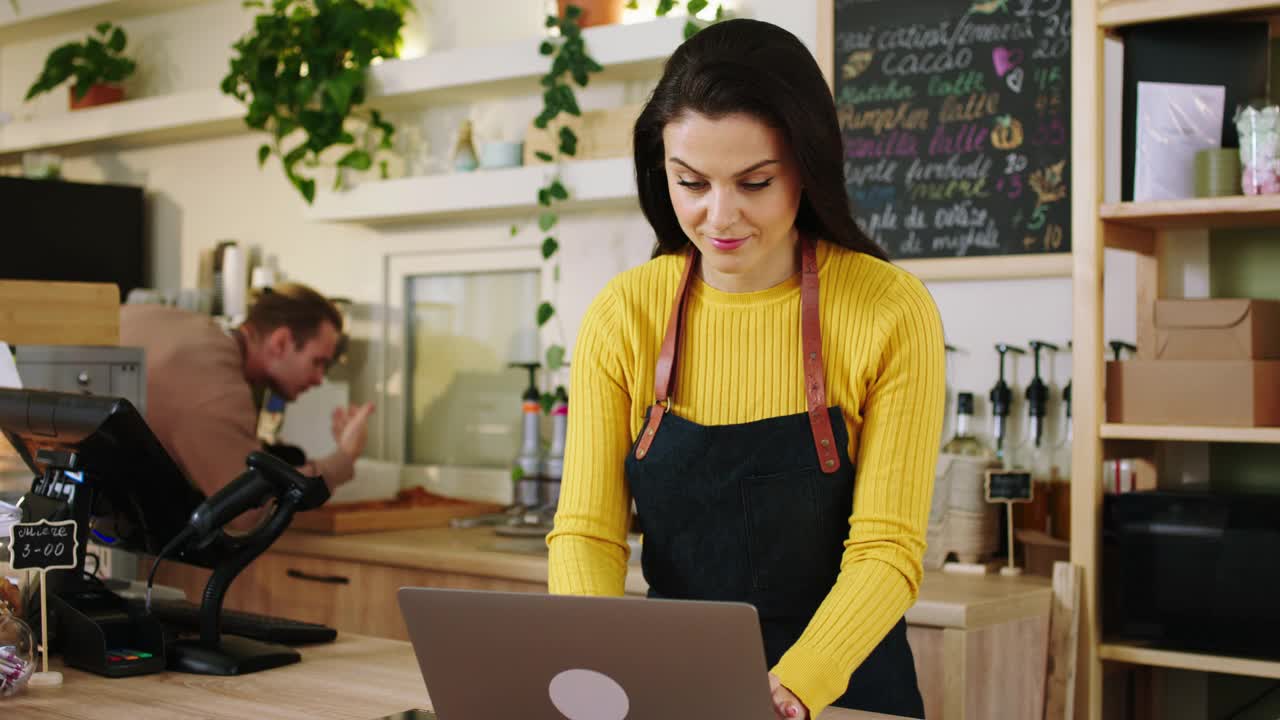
x=785, y=703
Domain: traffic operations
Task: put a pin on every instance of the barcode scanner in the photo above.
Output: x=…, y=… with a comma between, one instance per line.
x=266, y=478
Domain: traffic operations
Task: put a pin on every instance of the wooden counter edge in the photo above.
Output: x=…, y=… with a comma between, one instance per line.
x=460, y=552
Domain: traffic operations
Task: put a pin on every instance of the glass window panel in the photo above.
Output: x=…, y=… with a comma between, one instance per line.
x=464, y=331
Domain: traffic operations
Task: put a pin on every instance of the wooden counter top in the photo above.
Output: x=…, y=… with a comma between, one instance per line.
x=946, y=600
x=356, y=677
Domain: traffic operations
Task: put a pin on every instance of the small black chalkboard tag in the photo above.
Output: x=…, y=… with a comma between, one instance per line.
x=43, y=545
x=1012, y=486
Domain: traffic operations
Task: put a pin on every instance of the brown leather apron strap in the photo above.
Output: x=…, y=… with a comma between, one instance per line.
x=664, y=379
x=811, y=340
x=815, y=378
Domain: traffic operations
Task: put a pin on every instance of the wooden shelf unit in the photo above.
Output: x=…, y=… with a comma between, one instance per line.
x=1137, y=655
x=1190, y=433
x=1139, y=227
x=1117, y=13
x=1236, y=211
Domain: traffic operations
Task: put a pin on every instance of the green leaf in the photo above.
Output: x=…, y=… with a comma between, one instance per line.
x=547, y=400
x=117, y=41
x=545, y=313
x=102, y=27
x=546, y=48
x=555, y=357
x=356, y=159
x=632, y=5
x=547, y=220
x=264, y=152
x=515, y=231
x=664, y=7
x=517, y=473
x=549, y=247
x=690, y=29
x=558, y=191
x=572, y=12
x=568, y=142
x=552, y=21
x=544, y=197
x=696, y=6
x=307, y=187
x=544, y=156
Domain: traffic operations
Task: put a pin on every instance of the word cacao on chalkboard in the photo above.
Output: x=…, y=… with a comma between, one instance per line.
x=955, y=117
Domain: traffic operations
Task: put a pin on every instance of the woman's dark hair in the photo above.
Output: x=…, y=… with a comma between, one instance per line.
x=759, y=69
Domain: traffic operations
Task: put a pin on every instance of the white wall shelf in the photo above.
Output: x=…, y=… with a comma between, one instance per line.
x=482, y=193
x=36, y=18
x=445, y=77
x=465, y=74
x=131, y=123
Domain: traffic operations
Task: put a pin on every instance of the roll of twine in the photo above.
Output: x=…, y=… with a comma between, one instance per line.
x=1217, y=172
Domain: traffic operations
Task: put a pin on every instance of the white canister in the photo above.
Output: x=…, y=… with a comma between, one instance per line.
x=234, y=287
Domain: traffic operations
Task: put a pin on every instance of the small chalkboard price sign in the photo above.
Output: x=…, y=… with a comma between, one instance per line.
x=1009, y=487
x=42, y=546
x=1013, y=486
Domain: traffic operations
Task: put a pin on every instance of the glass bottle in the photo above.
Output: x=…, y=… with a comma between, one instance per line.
x=964, y=441
x=961, y=522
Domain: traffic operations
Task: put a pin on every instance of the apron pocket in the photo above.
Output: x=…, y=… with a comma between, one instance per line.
x=782, y=522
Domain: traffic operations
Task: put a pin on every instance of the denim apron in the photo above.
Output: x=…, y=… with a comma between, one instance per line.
x=758, y=512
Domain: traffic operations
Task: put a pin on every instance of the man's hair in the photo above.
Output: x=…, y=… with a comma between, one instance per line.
x=296, y=307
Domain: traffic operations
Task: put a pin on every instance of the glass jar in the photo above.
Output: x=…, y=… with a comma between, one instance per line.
x=1259, y=156
x=17, y=654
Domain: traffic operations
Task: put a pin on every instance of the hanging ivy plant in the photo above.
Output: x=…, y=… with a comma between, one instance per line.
x=301, y=72
x=572, y=64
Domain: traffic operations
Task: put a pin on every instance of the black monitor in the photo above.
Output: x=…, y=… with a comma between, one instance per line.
x=121, y=480
x=70, y=231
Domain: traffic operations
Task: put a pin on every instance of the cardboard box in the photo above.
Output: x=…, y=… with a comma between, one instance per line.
x=601, y=134
x=1175, y=392
x=1229, y=329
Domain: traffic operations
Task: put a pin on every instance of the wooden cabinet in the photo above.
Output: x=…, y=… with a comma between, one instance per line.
x=355, y=597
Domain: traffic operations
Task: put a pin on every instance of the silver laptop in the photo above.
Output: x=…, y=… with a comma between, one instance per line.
x=551, y=657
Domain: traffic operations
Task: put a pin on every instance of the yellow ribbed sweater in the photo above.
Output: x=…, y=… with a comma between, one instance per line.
x=741, y=361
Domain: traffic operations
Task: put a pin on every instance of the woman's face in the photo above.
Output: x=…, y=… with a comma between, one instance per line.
x=736, y=189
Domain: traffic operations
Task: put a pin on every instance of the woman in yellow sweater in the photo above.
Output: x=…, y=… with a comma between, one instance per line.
x=731, y=385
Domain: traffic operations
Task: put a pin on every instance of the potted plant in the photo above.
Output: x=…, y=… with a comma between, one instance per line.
x=98, y=64
x=301, y=73
x=594, y=12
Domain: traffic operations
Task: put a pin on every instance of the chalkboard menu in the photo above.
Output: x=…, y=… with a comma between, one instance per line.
x=955, y=116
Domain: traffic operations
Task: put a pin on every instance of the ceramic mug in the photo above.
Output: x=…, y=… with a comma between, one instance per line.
x=501, y=154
